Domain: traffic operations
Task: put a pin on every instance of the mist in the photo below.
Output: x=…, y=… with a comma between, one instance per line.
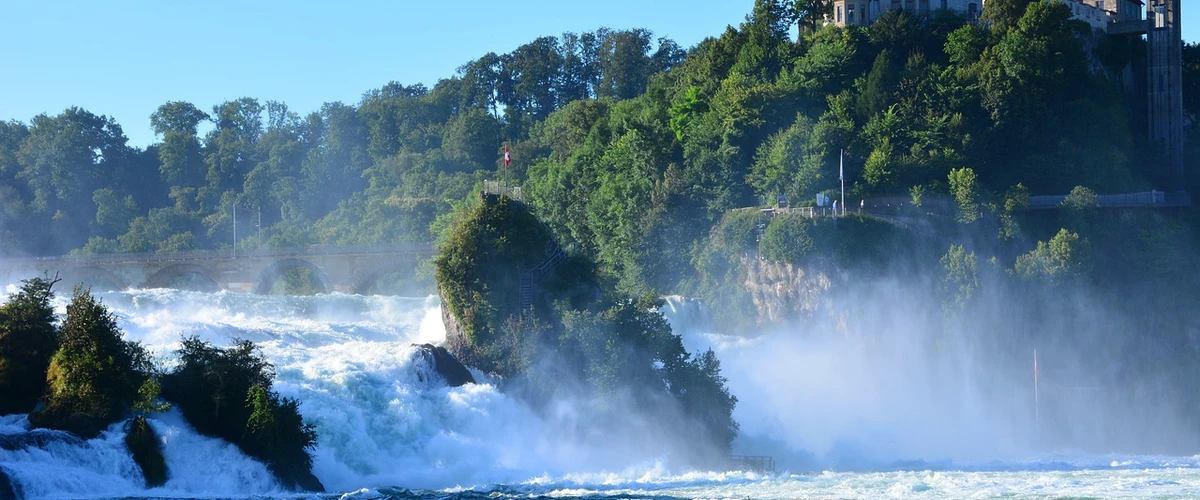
x=881, y=376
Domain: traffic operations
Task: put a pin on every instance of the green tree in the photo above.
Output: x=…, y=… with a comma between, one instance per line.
x=964, y=186
x=1004, y=14
x=766, y=45
x=1063, y=259
x=94, y=376
x=789, y=163
x=180, y=158
x=65, y=159
x=1016, y=200
x=878, y=92
x=786, y=239
x=960, y=277
x=1081, y=209
x=1191, y=81
x=625, y=63
x=113, y=212
x=471, y=140
x=230, y=147
x=227, y=393
x=809, y=15
x=333, y=168
x=528, y=78
x=28, y=338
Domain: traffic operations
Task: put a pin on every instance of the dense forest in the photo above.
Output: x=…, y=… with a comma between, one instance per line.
x=630, y=147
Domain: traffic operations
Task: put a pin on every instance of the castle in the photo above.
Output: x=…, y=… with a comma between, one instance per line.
x=1097, y=13
x=1164, y=47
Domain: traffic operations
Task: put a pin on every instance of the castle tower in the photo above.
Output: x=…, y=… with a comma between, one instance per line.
x=1164, y=44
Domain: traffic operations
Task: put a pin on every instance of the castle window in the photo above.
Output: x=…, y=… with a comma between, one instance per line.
x=972, y=10
x=839, y=14
x=850, y=13
x=945, y=5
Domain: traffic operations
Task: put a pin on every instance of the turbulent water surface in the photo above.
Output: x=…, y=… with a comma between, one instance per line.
x=389, y=428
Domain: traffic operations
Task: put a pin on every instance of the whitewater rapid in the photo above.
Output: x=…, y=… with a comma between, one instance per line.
x=388, y=428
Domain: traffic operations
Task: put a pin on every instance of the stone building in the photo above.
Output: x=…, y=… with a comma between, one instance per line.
x=864, y=12
x=1097, y=13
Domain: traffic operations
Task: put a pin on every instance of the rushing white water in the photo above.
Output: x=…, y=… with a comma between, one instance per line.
x=386, y=427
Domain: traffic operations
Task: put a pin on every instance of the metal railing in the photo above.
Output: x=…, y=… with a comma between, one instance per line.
x=502, y=188
x=1151, y=198
x=531, y=278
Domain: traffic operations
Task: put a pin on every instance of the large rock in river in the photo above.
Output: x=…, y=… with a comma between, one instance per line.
x=444, y=363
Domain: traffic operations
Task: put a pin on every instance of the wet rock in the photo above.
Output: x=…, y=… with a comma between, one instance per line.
x=308, y=482
x=7, y=490
x=146, y=449
x=445, y=364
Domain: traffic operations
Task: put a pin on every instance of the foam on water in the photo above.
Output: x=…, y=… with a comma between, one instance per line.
x=386, y=424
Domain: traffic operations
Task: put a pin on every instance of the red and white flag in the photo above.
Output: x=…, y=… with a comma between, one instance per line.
x=507, y=158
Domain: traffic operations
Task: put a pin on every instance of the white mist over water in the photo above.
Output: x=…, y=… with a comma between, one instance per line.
x=872, y=383
x=837, y=401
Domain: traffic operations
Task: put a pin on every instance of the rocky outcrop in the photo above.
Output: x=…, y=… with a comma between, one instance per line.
x=782, y=291
x=457, y=342
x=307, y=482
x=37, y=438
x=146, y=449
x=8, y=491
x=63, y=418
x=444, y=364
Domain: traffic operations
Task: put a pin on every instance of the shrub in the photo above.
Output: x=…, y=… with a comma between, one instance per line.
x=786, y=239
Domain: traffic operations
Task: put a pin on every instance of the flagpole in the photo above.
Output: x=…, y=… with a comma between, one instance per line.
x=842, y=177
x=1037, y=416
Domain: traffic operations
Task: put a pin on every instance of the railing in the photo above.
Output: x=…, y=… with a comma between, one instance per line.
x=531, y=278
x=502, y=188
x=1126, y=200
x=752, y=463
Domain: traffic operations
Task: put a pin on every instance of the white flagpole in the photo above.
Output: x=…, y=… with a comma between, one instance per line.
x=842, y=177
x=1037, y=416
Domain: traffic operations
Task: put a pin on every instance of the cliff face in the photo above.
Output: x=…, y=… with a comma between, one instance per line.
x=782, y=291
x=456, y=339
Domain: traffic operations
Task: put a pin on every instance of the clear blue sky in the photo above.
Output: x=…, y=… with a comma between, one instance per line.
x=125, y=58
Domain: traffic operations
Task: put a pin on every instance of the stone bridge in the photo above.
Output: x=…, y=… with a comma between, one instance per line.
x=328, y=269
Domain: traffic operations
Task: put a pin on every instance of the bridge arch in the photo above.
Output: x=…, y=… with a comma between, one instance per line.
x=184, y=277
x=98, y=279
x=273, y=273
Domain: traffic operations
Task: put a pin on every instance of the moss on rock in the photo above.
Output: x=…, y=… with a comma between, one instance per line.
x=478, y=272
